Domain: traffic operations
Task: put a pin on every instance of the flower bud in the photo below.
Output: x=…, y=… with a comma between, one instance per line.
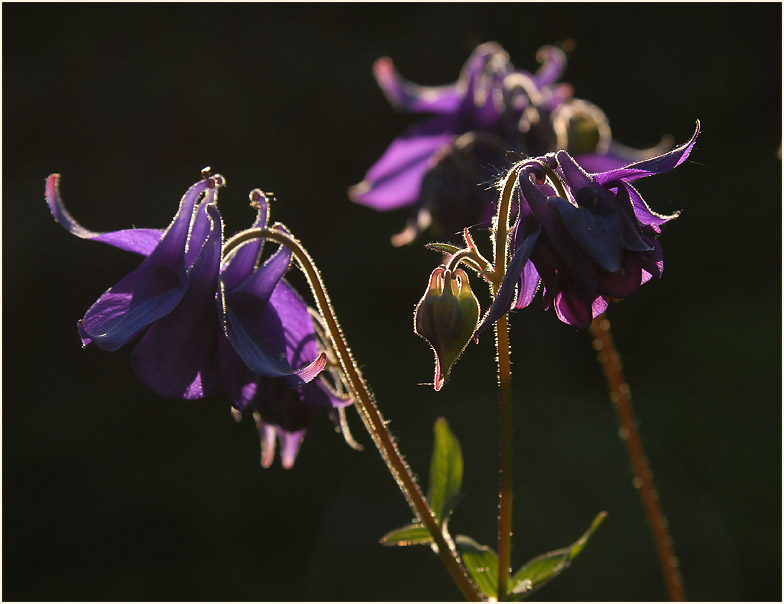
x=447, y=316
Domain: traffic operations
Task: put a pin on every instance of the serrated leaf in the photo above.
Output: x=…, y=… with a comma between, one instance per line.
x=540, y=570
x=482, y=564
x=446, y=470
x=412, y=534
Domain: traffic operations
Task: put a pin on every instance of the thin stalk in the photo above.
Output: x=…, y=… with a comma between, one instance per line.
x=620, y=395
x=501, y=247
x=505, y=464
x=368, y=411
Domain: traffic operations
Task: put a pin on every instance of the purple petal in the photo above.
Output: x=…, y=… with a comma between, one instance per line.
x=575, y=176
x=596, y=162
x=244, y=259
x=178, y=356
x=553, y=63
x=528, y=286
x=145, y=295
x=571, y=310
x=238, y=382
x=645, y=215
x=138, y=241
x=171, y=250
x=407, y=96
x=655, y=165
x=261, y=282
x=598, y=234
x=503, y=299
x=623, y=282
x=269, y=326
x=395, y=179
x=301, y=346
x=599, y=306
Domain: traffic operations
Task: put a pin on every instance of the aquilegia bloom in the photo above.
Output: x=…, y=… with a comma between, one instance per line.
x=170, y=297
x=588, y=238
x=271, y=329
x=209, y=323
x=442, y=164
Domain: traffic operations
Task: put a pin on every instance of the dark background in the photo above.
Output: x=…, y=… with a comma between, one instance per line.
x=111, y=493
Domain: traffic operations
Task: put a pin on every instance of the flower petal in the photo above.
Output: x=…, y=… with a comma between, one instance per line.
x=289, y=446
x=395, y=179
x=407, y=96
x=553, y=63
x=571, y=310
x=238, y=382
x=597, y=233
x=655, y=165
x=139, y=241
x=243, y=260
x=503, y=299
x=145, y=295
x=178, y=356
x=642, y=211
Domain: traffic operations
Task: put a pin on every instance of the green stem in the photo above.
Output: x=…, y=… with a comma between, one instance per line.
x=501, y=253
x=505, y=467
x=366, y=406
x=620, y=395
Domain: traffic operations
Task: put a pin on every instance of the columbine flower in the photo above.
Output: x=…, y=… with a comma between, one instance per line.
x=493, y=109
x=270, y=330
x=258, y=343
x=588, y=238
x=171, y=298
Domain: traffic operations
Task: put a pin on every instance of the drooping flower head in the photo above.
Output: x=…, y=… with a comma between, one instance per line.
x=586, y=237
x=206, y=322
x=269, y=329
x=443, y=165
x=170, y=297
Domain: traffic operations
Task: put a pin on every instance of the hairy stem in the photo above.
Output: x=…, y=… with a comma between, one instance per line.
x=366, y=406
x=501, y=253
x=620, y=395
x=505, y=464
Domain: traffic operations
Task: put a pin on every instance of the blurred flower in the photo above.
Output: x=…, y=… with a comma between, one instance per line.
x=588, y=238
x=492, y=110
x=446, y=317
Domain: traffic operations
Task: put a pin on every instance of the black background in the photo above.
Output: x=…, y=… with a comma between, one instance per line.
x=111, y=493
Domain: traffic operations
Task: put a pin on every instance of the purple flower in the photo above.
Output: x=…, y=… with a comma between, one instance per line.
x=269, y=329
x=171, y=299
x=441, y=164
x=588, y=238
x=208, y=323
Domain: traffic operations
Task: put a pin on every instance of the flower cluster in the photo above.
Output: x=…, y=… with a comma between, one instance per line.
x=491, y=112
x=586, y=237
x=210, y=323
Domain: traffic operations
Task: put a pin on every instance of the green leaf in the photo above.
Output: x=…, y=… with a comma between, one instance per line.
x=542, y=569
x=448, y=248
x=412, y=534
x=482, y=564
x=444, y=248
x=446, y=470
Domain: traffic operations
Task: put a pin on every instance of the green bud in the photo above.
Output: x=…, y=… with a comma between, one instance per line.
x=447, y=317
